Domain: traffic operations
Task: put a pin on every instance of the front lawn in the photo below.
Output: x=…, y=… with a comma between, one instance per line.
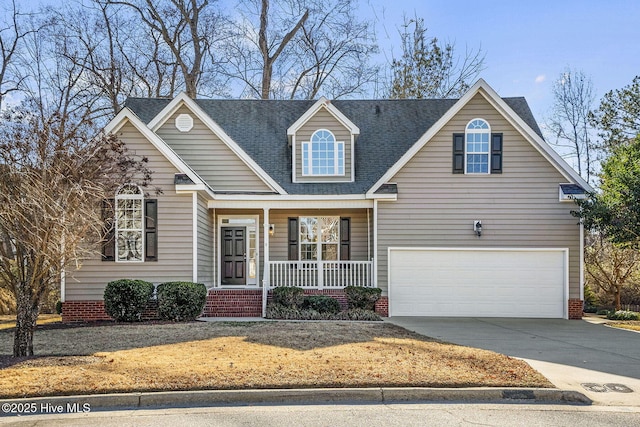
x=189, y=356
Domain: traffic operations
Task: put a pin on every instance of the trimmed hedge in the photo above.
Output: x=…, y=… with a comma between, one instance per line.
x=363, y=298
x=126, y=299
x=279, y=311
x=623, y=315
x=321, y=304
x=291, y=297
x=181, y=301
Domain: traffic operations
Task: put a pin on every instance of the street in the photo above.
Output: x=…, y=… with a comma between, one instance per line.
x=369, y=415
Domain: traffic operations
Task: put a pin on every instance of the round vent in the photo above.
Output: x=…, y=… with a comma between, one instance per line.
x=184, y=123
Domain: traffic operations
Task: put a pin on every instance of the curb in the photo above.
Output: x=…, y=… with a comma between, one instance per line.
x=97, y=402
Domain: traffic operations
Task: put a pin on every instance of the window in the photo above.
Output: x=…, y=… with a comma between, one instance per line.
x=477, y=146
x=477, y=151
x=130, y=226
x=323, y=155
x=319, y=238
x=129, y=231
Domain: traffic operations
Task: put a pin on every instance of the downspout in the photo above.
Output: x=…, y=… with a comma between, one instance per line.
x=581, y=261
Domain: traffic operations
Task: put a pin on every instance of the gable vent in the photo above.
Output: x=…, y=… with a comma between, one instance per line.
x=184, y=122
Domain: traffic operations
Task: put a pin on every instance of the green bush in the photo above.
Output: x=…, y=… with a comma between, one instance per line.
x=279, y=311
x=363, y=298
x=126, y=299
x=602, y=312
x=59, y=307
x=181, y=301
x=623, y=315
x=321, y=304
x=291, y=297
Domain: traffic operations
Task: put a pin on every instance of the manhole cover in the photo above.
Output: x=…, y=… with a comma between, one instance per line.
x=619, y=388
x=605, y=388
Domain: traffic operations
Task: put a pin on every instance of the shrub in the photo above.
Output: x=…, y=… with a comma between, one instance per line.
x=279, y=311
x=321, y=304
x=59, y=307
x=623, y=315
x=363, y=298
x=291, y=297
x=358, y=314
x=602, y=312
x=181, y=301
x=126, y=299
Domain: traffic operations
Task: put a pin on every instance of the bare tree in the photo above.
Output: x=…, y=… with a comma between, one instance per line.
x=300, y=48
x=428, y=68
x=188, y=29
x=569, y=122
x=610, y=267
x=13, y=30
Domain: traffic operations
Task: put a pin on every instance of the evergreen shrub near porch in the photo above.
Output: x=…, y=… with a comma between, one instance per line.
x=362, y=298
x=290, y=303
x=126, y=299
x=181, y=301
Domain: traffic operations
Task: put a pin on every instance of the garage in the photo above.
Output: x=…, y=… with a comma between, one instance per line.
x=478, y=282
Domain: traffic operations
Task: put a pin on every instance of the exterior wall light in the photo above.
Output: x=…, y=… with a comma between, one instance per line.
x=272, y=229
x=477, y=227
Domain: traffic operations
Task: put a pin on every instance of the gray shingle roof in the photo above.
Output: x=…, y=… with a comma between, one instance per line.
x=388, y=128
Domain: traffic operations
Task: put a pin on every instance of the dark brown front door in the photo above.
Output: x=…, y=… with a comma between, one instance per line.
x=233, y=256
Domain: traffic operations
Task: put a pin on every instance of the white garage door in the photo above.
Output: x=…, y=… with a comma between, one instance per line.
x=478, y=282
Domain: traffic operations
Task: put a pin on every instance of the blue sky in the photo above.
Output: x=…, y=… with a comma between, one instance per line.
x=529, y=43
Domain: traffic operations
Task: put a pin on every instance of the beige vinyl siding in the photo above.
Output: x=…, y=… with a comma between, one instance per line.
x=518, y=208
x=278, y=248
x=174, y=233
x=324, y=120
x=209, y=156
x=205, y=243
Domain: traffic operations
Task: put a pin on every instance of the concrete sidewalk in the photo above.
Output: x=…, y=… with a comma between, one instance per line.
x=601, y=362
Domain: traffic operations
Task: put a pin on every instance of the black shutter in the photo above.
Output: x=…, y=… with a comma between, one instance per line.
x=496, y=153
x=345, y=239
x=458, y=153
x=293, y=239
x=151, y=229
x=109, y=231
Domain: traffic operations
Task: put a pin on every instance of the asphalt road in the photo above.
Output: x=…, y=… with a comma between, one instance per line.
x=406, y=415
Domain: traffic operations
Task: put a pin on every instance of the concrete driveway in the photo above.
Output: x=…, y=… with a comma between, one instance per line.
x=572, y=354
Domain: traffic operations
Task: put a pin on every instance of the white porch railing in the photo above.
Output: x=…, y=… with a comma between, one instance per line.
x=321, y=274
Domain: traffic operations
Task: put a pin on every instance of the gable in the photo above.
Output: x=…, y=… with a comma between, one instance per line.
x=209, y=156
x=322, y=119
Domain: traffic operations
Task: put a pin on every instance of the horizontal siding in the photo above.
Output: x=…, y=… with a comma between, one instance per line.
x=518, y=208
x=324, y=120
x=174, y=233
x=209, y=156
x=359, y=239
x=205, y=243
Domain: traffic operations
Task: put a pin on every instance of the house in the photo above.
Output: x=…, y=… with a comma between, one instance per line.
x=452, y=207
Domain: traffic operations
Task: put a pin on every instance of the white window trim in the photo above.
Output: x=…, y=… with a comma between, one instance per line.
x=488, y=153
x=139, y=196
x=218, y=258
x=306, y=147
x=319, y=242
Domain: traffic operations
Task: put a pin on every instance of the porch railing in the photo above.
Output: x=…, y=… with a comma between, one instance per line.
x=321, y=274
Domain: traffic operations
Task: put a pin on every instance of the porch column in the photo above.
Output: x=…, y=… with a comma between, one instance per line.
x=265, y=253
x=375, y=243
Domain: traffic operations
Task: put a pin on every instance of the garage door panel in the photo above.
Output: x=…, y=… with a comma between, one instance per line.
x=481, y=283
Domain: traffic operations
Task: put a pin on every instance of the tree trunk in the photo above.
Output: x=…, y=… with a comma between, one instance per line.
x=617, y=298
x=26, y=318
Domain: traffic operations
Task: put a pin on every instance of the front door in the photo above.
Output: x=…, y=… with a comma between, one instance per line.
x=234, y=256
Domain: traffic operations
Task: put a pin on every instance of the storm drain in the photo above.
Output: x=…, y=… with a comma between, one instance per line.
x=605, y=388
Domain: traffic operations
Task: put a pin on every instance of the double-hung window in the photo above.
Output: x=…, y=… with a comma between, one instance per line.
x=477, y=146
x=319, y=238
x=323, y=155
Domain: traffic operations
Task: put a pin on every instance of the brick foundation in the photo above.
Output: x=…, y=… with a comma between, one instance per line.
x=93, y=311
x=575, y=309
x=382, y=307
x=233, y=303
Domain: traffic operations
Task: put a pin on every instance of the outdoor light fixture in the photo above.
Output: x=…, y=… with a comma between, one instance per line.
x=477, y=227
x=272, y=229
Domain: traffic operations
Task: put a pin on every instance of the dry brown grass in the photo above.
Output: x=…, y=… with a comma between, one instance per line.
x=9, y=321
x=634, y=325
x=143, y=357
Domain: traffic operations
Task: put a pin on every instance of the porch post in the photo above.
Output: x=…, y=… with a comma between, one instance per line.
x=265, y=252
x=375, y=243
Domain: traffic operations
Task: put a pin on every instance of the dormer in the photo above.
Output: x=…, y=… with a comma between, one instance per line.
x=322, y=145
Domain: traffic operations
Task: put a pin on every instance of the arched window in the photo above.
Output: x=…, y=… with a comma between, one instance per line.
x=323, y=155
x=129, y=223
x=477, y=135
